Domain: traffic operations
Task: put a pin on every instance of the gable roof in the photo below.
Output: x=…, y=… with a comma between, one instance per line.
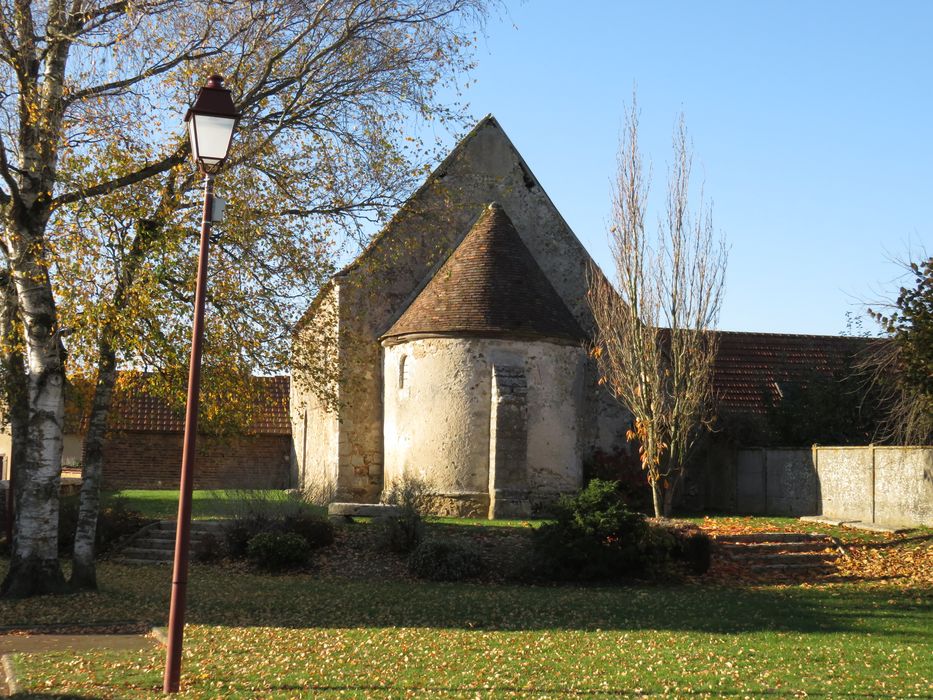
x=751, y=368
x=490, y=285
x=484, y=155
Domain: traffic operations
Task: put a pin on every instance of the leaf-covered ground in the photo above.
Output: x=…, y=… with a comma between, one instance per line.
x=321, y=634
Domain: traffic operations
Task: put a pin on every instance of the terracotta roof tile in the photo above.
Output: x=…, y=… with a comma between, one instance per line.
x=136, y=410
x=490, y=285
x=751, y=367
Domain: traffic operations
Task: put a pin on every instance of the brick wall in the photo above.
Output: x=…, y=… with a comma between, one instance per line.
x=153, y=460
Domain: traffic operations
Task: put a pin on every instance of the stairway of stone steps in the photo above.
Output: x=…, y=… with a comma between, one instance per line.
x=780, y=553
x=155, y=543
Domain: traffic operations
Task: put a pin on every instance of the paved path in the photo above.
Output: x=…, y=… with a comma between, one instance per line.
x=43, y=643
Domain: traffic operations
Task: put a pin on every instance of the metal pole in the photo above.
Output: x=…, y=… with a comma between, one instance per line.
x=176, y=617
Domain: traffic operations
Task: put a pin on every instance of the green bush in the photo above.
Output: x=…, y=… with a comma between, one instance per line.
x=253, y=513
x=445, y=560
x=595, y=537
x=317, y=531
x=240, y=531
x=277, y=551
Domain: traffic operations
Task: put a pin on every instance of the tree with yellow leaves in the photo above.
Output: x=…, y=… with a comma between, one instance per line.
x=95, y=192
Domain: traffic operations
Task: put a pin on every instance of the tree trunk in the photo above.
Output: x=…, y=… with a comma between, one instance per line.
x=13, y=387
x=84, y=571
x=668, y=501
x=37, y=439
x=656, y=498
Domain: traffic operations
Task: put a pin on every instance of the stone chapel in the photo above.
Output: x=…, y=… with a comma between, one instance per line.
x=458, y=342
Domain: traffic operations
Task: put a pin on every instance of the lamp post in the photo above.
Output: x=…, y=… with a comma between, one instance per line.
x=211, y=120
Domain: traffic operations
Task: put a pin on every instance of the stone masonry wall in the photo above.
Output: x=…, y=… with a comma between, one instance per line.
x=438, y=420
x=153, y=460
x=377, y=288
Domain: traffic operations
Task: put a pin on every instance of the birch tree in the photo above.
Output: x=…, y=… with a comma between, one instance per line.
x=90, y=99
x=655, y=342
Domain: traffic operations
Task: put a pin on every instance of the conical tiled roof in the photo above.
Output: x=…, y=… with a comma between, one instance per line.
x=490, y=285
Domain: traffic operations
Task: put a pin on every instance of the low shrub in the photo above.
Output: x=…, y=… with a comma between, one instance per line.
x=317, y=531
x=594, y=537
x=445, y=560
x=239, y=532
x=278, y=551
x=209, y=548
x=403, y=532
x=255, y=513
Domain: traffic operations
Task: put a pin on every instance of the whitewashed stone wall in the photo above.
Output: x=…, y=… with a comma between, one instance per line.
x=437, y=421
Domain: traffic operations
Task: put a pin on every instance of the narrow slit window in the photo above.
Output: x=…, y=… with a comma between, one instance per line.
x=401, y=371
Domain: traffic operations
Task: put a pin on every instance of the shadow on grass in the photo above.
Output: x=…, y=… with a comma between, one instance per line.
x=230, y=597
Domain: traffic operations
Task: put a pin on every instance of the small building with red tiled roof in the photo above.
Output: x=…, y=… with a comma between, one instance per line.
x=145, y=434
x=143, y=445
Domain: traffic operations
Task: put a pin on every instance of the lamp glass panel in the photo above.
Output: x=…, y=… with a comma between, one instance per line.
x=212, y=137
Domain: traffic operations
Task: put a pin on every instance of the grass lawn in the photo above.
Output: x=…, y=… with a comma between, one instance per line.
x=206, y=505
x=305, y=636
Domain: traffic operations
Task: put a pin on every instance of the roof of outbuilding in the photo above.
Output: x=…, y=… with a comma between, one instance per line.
x=490, y=285
x=750, y=368
x=134, y=409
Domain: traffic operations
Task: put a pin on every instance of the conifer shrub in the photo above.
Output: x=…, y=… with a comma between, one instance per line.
x=594, y=537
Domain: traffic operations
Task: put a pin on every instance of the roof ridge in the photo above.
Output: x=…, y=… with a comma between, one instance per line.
x=491, y=283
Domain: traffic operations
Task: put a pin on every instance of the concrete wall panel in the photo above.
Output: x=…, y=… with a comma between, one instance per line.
x=845, y=481
x=792, y=487
x=904, y=486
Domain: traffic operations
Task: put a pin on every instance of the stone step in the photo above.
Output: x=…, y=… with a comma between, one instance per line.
x=738, y=549
x=159, y=543
x=142, y=562
x=196, y=525
x=155, y=543
x=144, y=553
x=767, y=537
x=794, y=559
x=793, y=568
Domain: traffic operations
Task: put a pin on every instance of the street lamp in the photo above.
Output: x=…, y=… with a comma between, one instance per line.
x=211, y=121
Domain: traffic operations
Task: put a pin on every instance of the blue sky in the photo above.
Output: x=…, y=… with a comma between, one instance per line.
x=811, y=124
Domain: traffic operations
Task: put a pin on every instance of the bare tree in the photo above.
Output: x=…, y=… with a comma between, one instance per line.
x=655, y=344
